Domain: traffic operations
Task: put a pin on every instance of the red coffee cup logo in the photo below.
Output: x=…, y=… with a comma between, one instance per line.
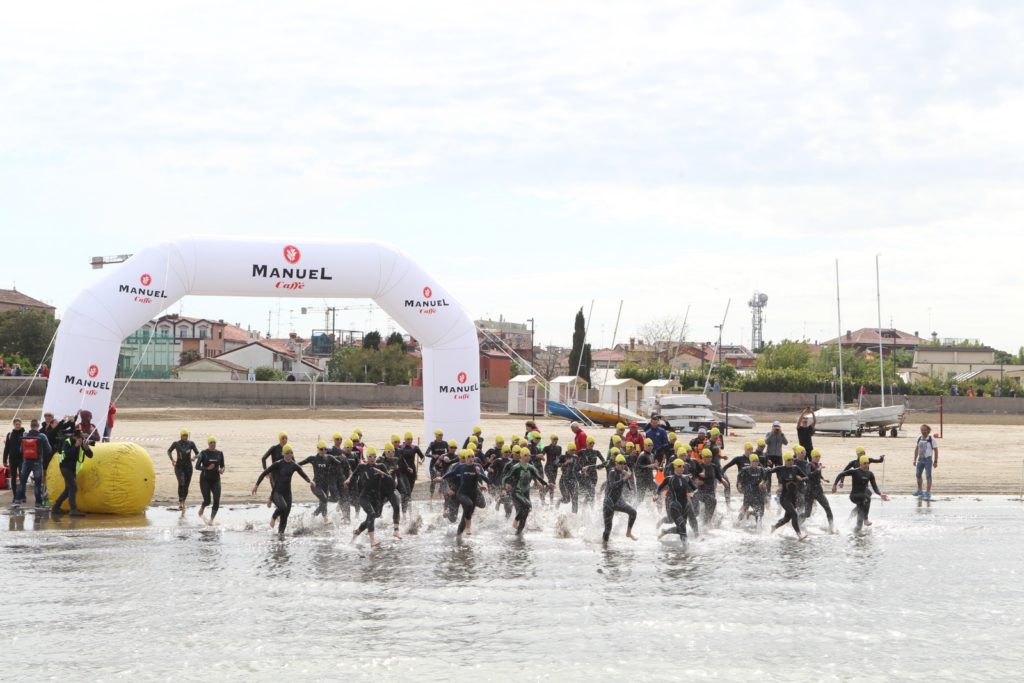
x=146, y=279
x=292, y=254
x=93, y=371
x=427, y=292
x=462, y=377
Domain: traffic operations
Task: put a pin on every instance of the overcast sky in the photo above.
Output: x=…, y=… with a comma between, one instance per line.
x=538, y=156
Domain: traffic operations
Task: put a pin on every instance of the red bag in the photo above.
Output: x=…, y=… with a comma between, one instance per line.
x=30, y=449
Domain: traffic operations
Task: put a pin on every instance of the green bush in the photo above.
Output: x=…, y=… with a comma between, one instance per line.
x=265, y=373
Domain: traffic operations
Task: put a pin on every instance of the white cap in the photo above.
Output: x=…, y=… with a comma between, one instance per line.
x=574, y=425
x=776, y=424
x=702, y=431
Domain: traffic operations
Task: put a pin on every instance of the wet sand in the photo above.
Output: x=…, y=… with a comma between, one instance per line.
x=244, y=435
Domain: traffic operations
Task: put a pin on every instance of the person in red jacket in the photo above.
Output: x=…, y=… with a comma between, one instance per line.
x=580, y=438
x=111, y=412
x=635, y=436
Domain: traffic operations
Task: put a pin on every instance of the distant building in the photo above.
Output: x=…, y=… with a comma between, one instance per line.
x=212, y=370
x=495, y=368
x=947, y=361
x=607, y=359
x=152, y=351
x=13, y=300
x=517, y=336
x=280, y=354
x=867, y=338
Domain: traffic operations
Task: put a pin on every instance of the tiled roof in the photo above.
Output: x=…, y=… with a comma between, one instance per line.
x=15, y=298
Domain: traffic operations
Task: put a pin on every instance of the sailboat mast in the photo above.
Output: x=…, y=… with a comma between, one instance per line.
x=881, y=352
x=839, y=320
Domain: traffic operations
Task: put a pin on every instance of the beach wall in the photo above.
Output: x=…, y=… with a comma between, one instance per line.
x=161, y=392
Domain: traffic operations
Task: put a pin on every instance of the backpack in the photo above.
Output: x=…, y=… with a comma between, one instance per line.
x=30, y=449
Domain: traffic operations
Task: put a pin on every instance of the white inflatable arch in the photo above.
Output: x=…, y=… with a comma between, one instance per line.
x=92, y=328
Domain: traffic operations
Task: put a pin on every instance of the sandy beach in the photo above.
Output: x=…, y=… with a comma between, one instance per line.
x=244, y=435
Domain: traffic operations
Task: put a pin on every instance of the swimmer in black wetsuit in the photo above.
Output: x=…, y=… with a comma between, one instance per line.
x=341, y=451
x=860, y=495
x=437, y=448
x=274, y=454
x=752, y=482
x=552, y=453
x=643, y=470
x=707, y=494
x=210, y=464
x=322, y=464
x=789, y=483
x=469, y=481
x=615, y=487
x=388, y=464
x=855, y=463
x=280, y=474
x=678, y=487
x=409, y=457
x=368, y=479
x=815, y=493
x=571, y=467
x=184, y=450
x=518, y=480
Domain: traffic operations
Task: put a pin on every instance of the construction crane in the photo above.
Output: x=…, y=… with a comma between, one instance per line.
x=757, y=305
x=331, y=335
x=98, y=262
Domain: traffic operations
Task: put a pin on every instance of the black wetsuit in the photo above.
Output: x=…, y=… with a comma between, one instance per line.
x=592, y=460
x=322, y=467
x=860, y=495
x=677, y=503
x=789, y=479
x=570, y=478
x=552, y=453
x=614, y=489
x=805, y=470
x=408, y=458
x=338, y=472
x=496, y=471
x=435, y=449
x=815, y=493
x=209, y=463
x=467, y=491
x=643, y=470
x=367, y=479
x=521, y=477
x=183, y=464
x=707, y=489
x=280, y=474
x=389, y=488
x=275, y=454
x=749, y=481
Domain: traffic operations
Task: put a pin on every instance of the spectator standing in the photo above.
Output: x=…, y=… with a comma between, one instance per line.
x=773, y=442
x=926, y=457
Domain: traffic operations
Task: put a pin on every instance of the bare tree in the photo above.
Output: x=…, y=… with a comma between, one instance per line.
x=666, y=334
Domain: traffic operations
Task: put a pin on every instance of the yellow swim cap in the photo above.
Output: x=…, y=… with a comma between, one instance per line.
x=590, y=439
x=616, y=438
x=453, y=444
x=408, y=435
x=671, y=436
x=678, y=463
x=754, y=458
x=337, y=435
x=860, y=450
x=183, y=432
x=358, y=431
x=395, y=438
x=211, y=439
x=570, y=448
x=282, y=435
x=630, y=446
x=706, y=453
x=517, y=449
x=354, y=437
x=748, y=446
x=476, y=430
x=787, y=456
x=505, y=448
x=438, y=432
x=321, y=444
x=472, y=439
x=815, y=453
x=715, y=431
x=347, y=443
x=620, y=426
x=613, y=452
x=620, y=458
x=389, y=447
x=370, y=450
x=864, y=459
x=553, y=437
x=760, y=442
x=648, y=442
x=287, y=448
x=499, y=439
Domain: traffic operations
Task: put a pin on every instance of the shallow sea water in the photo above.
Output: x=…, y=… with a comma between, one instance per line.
x=932, y=591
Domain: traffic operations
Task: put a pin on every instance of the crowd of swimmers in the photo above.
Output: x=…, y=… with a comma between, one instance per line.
x=681, y=476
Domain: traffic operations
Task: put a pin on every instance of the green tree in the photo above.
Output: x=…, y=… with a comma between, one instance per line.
x=396, y=339
x=579, y=355
x=389, y=365
x=26, y=333
x=785, y=354
x=371, y=340
x=1005, y=358
x=188, y=356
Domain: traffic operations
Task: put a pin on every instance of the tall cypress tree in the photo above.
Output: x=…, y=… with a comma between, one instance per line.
x=580, y=350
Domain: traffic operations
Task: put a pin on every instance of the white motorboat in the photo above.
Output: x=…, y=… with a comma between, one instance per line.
x=838, y=420
x=687, y=412
x=736, y=420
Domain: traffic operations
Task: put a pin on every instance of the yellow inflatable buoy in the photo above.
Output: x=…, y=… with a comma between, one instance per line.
x=119, y=480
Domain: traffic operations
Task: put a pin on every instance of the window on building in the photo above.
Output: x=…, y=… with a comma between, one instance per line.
x=487, y=373
x=203, y=332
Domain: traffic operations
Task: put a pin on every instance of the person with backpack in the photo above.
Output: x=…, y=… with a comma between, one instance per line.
x=12, y=452
x=926, y=457
x=73, y=453
x=35, y=448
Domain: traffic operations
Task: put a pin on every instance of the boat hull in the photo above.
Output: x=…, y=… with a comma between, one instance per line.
x=882, y=416
x=836, y=420
x=736, y=420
